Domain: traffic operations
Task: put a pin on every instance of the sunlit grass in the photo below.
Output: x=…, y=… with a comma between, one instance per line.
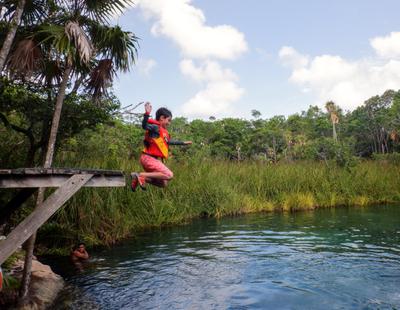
x=215, y=189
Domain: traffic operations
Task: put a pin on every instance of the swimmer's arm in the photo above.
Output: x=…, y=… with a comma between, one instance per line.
x=83, y=255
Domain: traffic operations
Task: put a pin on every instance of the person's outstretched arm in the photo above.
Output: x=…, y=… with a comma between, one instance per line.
x=177, y=142
x=146, y=116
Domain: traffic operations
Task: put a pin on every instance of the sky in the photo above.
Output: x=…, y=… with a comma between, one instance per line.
x=225, y=58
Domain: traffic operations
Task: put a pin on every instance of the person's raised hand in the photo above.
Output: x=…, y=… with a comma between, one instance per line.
x=147, y=107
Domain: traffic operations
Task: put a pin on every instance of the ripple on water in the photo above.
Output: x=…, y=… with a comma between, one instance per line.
x=341, y=260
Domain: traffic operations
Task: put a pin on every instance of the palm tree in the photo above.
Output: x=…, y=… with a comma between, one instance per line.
x=5, y=49
x=333, y=111
x=16, y=13
x=78, y=42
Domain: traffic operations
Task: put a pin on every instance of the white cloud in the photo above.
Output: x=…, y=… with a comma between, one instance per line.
x=145, y=66
x=348, y=83
x=291, y=58
x=387, y=47
x=219, y=92
x=186, y=26
x=208, y=71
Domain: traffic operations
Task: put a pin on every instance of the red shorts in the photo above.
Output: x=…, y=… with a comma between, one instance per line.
x=151, y=164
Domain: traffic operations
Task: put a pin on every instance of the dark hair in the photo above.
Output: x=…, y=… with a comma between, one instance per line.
x=78, y=245
x=163, y=112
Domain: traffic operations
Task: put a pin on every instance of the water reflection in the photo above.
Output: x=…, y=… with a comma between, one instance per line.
x=343, y=258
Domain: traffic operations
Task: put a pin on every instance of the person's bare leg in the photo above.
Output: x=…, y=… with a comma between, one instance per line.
x=154, y=175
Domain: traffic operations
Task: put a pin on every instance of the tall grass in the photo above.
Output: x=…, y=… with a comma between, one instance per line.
x=215, y=189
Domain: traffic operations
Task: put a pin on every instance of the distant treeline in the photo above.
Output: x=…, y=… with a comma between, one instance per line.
x=320, y=134
x=316, y=134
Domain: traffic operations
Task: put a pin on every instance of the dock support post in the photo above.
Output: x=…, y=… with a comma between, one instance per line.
x=41, y=214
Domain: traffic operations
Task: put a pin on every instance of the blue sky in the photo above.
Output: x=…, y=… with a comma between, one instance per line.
x=227, y=57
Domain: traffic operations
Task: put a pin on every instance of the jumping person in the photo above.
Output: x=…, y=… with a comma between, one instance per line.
x=156, y=145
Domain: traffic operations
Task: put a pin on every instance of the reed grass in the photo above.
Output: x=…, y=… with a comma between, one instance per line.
x=215, y=189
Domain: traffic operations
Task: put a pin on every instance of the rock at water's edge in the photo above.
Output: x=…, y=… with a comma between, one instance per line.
x=44, y=287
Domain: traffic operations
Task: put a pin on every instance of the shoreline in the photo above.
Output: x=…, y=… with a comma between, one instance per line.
x=269, y=208
x=44, y=287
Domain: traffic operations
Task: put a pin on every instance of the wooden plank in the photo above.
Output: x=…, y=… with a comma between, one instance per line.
x=27, y=181
x=86, y=170
x=40, y=215
x=51, y=171
x=36, y=170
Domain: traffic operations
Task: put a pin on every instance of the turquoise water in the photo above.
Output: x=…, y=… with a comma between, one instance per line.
x=345, y=258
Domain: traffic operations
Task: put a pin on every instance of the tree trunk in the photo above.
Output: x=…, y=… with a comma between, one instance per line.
x=30, y=157
x=29, y=245
x=334, y=132
x=47, y=163
x=56, y=118
x=5, y=49
x=385, y=141
x=274, y=148
x=376, y=144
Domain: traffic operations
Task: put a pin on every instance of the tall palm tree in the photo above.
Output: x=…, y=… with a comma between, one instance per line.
x=5, y=49
x=16, y=13
x=77, y=38
x=333, y=111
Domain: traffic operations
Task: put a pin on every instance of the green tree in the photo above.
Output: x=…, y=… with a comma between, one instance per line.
x=371, y=124
x=256, y=114
x=317, y=123
x=24, y=108
x=74, y=41
x=13, y=23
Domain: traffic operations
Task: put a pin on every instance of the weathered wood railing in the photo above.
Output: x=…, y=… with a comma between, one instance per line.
x=68, y=181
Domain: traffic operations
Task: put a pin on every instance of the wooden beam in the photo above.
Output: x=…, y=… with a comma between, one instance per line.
x=45, y=180
x=71, y=171
x=41, y=214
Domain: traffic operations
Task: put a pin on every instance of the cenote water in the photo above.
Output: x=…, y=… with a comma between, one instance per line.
x=344, y=258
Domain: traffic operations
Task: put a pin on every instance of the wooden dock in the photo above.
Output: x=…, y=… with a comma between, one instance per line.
x=67, y=181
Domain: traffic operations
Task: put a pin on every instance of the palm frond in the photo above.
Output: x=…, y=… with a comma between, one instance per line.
x=55, y=36
x=116, y=44
x=35, y=11
x=103, y=10
x=51, y=73
x=69, y=41
x=82, y=43
x=332, y=109
x=100, y=78
x=26, y=57
x=330, y=106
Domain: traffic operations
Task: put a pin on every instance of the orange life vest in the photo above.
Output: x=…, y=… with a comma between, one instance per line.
x=157, y=147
